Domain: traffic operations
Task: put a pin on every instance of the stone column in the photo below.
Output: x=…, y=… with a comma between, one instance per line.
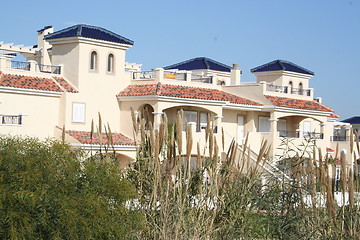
x=159, y=73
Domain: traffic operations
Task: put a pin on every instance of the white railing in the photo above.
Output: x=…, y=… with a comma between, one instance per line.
x=288, y=89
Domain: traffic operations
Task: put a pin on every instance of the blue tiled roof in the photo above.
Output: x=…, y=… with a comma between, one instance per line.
x=281, y=65
x=352, y=120
x=82, y=30
x=200, y=63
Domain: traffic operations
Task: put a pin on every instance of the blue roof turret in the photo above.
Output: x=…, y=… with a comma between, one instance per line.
x=281, y=65
x=87, y=31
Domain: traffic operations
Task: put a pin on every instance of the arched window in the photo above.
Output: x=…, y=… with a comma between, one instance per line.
x=300, y=89
x=93, y=61
x=110, y=64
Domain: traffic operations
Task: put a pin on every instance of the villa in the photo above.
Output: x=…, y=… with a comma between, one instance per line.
x=74, y=74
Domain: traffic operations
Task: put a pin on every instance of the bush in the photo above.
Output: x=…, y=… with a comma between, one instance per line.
x=47, y=192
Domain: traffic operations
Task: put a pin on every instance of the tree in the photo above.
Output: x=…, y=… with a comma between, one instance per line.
x=48, y=191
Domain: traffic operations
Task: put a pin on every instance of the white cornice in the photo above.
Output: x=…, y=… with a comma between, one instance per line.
x=171, y=99
x=281, y=72
x=302, y=111
x=88, y=41
x=30, y=92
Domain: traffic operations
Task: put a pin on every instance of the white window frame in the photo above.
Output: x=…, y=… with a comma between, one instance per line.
x=110, y=63
x=264, y=124
x=93, y=60
x=78, y=112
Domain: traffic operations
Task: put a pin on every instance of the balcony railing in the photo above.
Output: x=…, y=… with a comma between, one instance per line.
x=144, y=75
x=11, y=119
x=49, y=69
x=26, y=66
x=290, y=134
x=276, y=88
x=20, y=65
x=200, y=78
x=288, y=89
x=339, y=138
x=314, y=135
x=301, y=91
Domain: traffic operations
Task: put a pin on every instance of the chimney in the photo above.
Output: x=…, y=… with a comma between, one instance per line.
x=318, y=99
x=44, y=45
x=235, y=75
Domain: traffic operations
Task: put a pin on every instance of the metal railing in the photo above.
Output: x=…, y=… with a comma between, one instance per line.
x=339, y=138
x=287, y=89
x=49, y=69
x=144, y=75
x=314, y=135
x=276, y=88
x=200, y=78
x=290, y=134
x=301, y=91
x=19, y=65
x=11, y=119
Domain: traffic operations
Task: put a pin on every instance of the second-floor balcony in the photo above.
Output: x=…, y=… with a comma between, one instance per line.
x=288, y=90
x=177, y=75
x=297, y=134
x=29, y=66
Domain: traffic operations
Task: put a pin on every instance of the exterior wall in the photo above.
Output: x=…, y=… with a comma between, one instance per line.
x=97, y=88
x=41, y=114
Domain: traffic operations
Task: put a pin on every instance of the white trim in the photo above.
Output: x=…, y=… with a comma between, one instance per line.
x=301, y=111
x=95, y=42
x=282, y=72
x=30, y=91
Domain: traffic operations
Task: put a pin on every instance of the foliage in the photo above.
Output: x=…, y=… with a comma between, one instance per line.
x=204, y=196
x=48, y=191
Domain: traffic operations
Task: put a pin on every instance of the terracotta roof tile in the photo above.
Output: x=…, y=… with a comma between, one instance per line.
x=84, y=138
x=28, y=82
x=334, y=115
x=184, y=92
x=299, y=104
x=65, y=85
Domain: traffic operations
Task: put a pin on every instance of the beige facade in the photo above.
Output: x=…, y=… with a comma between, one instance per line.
x=96, y=79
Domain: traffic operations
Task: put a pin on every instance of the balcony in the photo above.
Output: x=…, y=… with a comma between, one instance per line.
x=289, y=134
x=11, y=120
x=313, y=135
x=176, y=75
x=29, y=66
x=288, y=90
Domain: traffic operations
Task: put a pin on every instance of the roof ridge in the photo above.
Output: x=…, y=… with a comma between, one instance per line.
x=158, y=89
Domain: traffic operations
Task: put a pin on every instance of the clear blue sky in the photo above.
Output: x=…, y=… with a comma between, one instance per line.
x=320, y=35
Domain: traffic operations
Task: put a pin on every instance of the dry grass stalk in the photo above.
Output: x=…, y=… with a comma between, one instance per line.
x=152, y=140
x=216, y=152
x=63, y=134
x=142, y=130
x=134, y=121
x=351, y=142
x=199, y=161
x=343, y=176
x=208, y=126
x=100, y=124
x=211, y=143
x=351, y=188
x=92, y=130
x=179, y=125
x=223, y=139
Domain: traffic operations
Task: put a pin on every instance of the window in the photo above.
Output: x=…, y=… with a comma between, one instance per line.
x=93, y=61
x=300, y=89
x=78, y=113
x=199, y=118
x=110, y=64
x=307, y=128
x=264, y=124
